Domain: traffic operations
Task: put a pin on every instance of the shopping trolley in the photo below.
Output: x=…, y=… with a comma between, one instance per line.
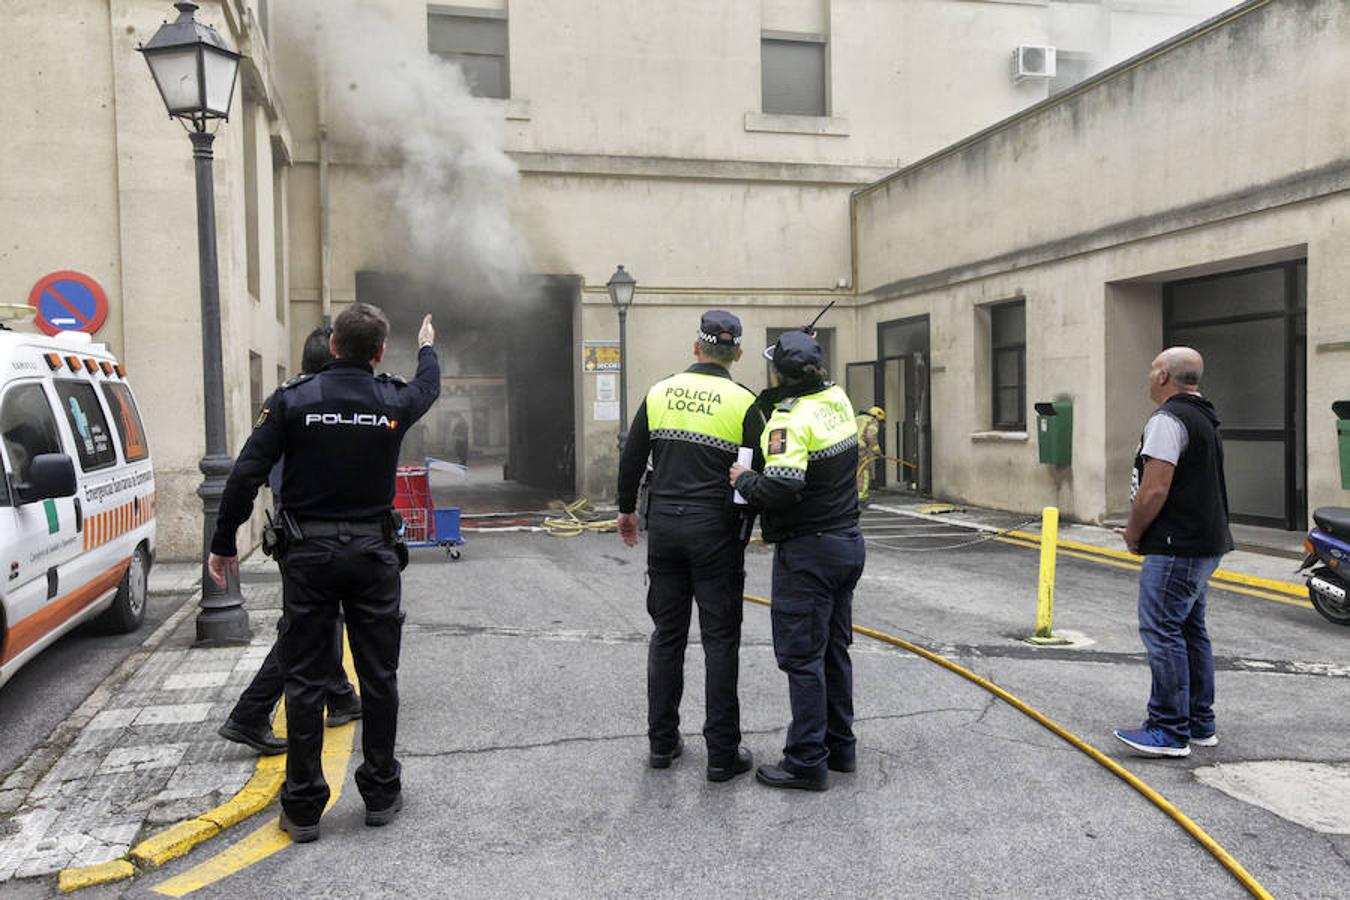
x=423, y=524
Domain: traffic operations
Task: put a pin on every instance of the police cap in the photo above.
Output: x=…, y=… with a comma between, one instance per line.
x=719, y=327
x=794, y=351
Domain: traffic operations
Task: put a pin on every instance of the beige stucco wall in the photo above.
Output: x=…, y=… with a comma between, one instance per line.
x=1226, y=152
x=637, y=130
x=98, y=179
x=649, y=149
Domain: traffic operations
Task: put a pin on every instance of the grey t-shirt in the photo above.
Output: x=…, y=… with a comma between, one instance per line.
x=1165, y=438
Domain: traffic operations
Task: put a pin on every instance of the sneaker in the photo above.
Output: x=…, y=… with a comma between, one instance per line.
x=344, y=712
x=1208, y=740
x=1151, y=742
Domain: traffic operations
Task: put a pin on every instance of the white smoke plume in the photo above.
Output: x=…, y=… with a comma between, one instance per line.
x=436, y=147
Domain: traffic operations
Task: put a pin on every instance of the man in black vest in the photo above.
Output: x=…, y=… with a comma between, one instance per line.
x=1179, y=523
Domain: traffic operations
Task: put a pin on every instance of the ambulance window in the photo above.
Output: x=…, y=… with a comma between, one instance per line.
x=28, y=427
x=128, y=421
x=93, y=442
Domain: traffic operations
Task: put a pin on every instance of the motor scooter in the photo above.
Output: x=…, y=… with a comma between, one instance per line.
x=1328, y=563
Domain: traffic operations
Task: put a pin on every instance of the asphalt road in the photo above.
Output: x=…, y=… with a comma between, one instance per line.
x=522, y=735
x=52, y=685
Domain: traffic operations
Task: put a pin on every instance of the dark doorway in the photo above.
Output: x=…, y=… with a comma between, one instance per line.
x=1251, y=327
x=898, y=382
x=506, y=403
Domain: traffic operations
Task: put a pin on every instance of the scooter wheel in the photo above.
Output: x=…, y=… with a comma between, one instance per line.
x=1333, y=610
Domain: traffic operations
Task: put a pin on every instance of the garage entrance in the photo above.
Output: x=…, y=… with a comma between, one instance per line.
x=1251, y=327
x=506, y=409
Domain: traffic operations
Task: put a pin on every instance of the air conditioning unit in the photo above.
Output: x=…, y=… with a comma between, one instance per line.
x=1032, y=61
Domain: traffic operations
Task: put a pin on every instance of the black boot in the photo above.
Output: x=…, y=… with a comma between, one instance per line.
x=260, y=739
x=777, y=776
x=738, y=766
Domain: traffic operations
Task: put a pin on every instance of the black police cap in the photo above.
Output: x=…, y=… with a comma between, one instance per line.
x=794, y=351
x=719, y=327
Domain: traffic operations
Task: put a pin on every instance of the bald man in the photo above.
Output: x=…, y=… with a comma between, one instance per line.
x=1179, y=523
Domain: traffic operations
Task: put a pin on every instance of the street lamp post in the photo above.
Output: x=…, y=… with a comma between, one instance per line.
x=622, y=287
x=195, y=71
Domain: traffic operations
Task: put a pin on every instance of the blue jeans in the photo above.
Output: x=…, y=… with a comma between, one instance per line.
x=1172, y=627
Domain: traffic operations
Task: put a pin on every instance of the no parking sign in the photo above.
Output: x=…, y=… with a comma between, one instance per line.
x=68, y=301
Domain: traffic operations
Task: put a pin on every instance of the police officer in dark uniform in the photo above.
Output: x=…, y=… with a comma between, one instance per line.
x=340, y=432
x=692, y=424
x=250, y=722
x=809, y=501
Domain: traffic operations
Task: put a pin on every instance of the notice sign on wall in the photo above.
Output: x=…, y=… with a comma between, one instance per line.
x=600, y=356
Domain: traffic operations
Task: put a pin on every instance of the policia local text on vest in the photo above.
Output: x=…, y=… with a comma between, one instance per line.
x=692, y=426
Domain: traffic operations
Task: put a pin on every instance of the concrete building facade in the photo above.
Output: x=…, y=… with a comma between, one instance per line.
x=662, y=146
x=1194, y=195
x=95, y=177
x=767, y=157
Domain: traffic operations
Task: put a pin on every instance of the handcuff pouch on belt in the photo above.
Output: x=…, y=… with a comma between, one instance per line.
x=394, y=528
x=279, y=534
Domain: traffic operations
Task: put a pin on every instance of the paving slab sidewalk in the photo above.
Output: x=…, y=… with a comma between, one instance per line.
x=142, y=752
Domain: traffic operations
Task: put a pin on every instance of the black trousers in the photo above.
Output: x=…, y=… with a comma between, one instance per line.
x=694, y=555
x=360, y=576
x=812, y=614
x=254, y=708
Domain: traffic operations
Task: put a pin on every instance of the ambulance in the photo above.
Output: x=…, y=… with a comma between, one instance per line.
x=77, y=500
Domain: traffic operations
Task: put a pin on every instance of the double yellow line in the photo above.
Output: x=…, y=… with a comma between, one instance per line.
x=256, y=795
x=1272, y=589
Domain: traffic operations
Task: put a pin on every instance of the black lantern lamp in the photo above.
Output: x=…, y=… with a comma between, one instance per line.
x=622, y=287
x=195, y=71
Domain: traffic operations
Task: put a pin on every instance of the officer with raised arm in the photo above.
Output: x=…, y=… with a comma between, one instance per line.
x=340, y=431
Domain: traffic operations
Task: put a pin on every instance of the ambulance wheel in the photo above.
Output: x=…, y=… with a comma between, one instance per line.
x=128, y=608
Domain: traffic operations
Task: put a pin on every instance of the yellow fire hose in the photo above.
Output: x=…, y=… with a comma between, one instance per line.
x=577, y=518
x=1226, y=859
x=865, y=461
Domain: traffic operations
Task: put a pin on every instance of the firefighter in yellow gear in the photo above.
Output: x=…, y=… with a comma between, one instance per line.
x=869, y=447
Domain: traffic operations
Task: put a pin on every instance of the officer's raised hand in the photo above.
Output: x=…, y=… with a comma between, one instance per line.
x=426, y=335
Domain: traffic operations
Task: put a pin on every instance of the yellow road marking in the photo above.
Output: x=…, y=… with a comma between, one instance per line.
x=1270, y=584
x=1113, y=559
x=270, y=839
x=1227, y=860
x=267, y=839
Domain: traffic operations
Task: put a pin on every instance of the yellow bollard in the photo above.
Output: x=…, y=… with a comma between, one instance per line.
x=1045, y=601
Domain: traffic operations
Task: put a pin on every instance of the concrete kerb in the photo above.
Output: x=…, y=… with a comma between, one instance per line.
x=179, y=839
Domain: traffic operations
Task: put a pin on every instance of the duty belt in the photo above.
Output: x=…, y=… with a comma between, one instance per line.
x=326, y=528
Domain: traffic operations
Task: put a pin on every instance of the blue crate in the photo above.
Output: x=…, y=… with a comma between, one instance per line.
x=447, y=526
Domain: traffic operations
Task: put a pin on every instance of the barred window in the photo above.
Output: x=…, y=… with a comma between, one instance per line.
x=1008, y=364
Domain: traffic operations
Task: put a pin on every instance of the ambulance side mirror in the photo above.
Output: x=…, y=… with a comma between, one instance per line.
x=51, y=475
